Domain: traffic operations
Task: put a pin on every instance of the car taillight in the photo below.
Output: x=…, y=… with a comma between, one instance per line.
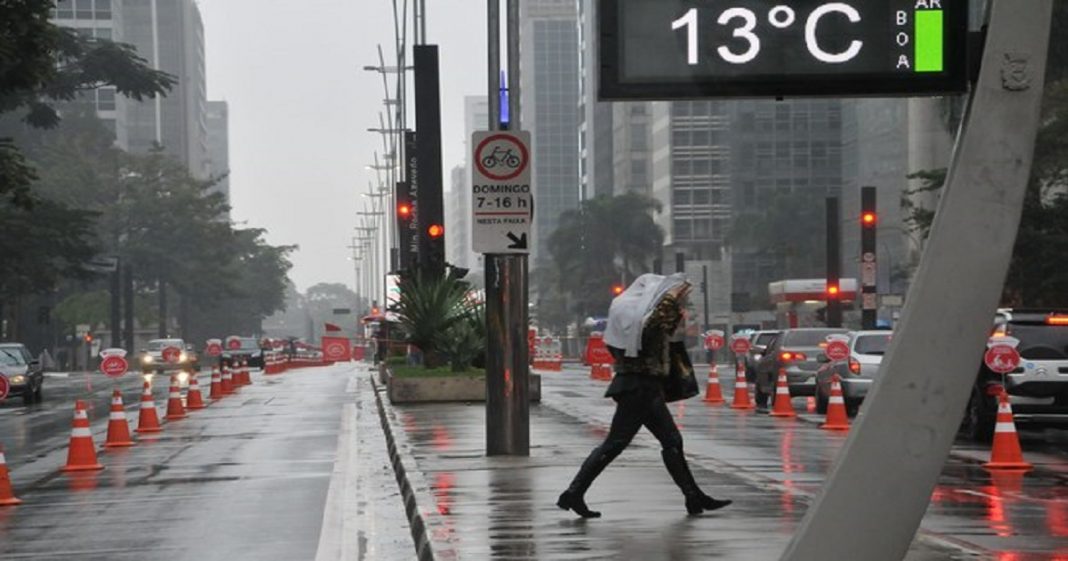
x=1057, y=320
x=854, y=366
x=994, y=390
x=787, y=356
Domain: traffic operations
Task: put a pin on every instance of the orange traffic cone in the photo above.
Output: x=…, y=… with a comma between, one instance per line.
x=148, y=421
x=227, y=381
x=246, y=375
x=741, y=392
x=216, y=384
x=118, y=429
x=783, y=406
x=837, y=419
x=193, y=399
x=175, y=410
x=7, y=495
x=81, y=455
x=1006, y=454
x=713, y=393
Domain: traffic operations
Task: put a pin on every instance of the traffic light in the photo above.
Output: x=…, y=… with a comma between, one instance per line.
x=88, y=338
x=617, y=289
x=833, y=292
x=435, y=231
x=404, y=210
x=869, y=272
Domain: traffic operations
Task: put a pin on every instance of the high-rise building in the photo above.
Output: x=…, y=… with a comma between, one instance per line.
x=549, y=59
x=218, y=129
x=475, y=118
x=458, y=219
x=100, y=19
x=595, y=129
x=169, y=34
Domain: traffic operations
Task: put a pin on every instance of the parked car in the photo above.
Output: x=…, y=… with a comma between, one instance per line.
x=24, y=373
x=857, y=373
x=795, y=351
x=152, y=360
x=758, y=345
x=1038, y=388
x=248, y=349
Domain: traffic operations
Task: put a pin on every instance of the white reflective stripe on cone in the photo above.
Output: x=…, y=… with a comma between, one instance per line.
x=1005, y=427
x=175, y=395
x=80, y=414
x=836, y=399
x=116, y=401
x=117, y=416
x=148, y=405
x=80, y=432
x=2, y=459
x=1004, y=408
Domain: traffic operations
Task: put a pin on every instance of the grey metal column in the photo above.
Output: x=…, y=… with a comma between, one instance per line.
x=879, y=489
x=507, y=369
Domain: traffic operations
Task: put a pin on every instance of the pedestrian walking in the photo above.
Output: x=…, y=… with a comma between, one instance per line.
x=652, y=369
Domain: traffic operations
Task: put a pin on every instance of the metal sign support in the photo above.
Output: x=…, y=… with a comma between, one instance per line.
x=910, y=418
x=507, y=297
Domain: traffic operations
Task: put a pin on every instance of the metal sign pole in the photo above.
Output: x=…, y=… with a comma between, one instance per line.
x=911, y=416
x=507, y=370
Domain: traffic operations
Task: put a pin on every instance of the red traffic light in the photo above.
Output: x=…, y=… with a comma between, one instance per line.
x=404, y=210
x=88, y=337
x=832, y=291
x=435, y=231
x=617, y=289
x=868, y=219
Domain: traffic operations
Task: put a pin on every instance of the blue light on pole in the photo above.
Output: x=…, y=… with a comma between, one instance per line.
x=504, y=118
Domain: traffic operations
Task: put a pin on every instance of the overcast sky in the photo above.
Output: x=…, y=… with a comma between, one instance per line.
x=300, y=105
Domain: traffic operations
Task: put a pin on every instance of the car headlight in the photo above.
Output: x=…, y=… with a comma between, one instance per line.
x=183, y=377
x=147, y=359
x=18, y=380
x=183, y=357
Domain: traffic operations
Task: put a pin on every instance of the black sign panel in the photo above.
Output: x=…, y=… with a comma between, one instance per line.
x=685, y=49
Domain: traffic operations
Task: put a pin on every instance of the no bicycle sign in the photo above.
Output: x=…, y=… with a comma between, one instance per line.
x=502, y=198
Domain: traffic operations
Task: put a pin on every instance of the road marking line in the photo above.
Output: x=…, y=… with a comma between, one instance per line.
x=341, y=509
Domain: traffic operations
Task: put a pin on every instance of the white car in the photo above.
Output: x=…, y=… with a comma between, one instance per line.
x=152, y=360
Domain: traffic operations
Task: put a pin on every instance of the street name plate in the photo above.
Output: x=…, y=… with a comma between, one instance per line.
x=502, y=197
x=682, y=49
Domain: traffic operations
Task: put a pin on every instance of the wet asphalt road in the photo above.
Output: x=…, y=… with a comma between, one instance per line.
x=246, y=478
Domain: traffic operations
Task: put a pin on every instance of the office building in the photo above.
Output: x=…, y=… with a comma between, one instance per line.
x=169, y=34
x=549, y=60
x=218, y=142
x=458, y=218
x=99, y=19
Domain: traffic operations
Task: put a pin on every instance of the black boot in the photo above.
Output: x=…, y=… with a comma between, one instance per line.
x=696, y=501
x=573, y=498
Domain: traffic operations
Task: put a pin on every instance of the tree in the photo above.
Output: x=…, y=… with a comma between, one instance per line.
x=605, y=241
x=42, y=63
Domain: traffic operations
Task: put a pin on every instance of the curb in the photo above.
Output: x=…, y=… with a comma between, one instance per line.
x=423, y=549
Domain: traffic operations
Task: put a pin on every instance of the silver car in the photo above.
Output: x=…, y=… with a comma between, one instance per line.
x=857, y=373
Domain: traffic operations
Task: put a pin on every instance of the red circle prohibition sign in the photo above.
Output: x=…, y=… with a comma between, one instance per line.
x=524, y=157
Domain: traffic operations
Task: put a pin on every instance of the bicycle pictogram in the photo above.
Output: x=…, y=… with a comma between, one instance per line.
x=499, y=156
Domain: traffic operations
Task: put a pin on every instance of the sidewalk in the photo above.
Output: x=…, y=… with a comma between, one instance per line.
x=477, y=507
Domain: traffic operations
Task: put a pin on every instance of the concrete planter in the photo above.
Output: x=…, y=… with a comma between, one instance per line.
x=446, y=389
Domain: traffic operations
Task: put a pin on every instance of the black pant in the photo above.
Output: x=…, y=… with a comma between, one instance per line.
x=634, y=410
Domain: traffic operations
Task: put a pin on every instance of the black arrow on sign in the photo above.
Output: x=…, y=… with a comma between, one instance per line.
x=517, y=243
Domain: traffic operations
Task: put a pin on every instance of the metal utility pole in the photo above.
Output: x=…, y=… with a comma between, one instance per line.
x=911, y=417
x=704, y=295
x=833, y=291
x=507, y=369
x=869, y=221
x=116, y=306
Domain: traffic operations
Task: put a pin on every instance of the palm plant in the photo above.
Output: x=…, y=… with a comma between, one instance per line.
x=428, y=309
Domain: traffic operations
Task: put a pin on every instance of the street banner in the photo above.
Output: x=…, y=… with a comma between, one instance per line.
x=336, y=349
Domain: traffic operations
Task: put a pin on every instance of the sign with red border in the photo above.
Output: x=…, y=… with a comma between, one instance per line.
x=214, y=347
x=714, y=340
x=114, y=366
x=740, y=345
x=337, y=349
x=171, y=354
x=837, y=350
x=1002, y=358
x=502, y=196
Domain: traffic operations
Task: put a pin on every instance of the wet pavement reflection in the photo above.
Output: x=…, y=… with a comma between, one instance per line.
x=503, y=508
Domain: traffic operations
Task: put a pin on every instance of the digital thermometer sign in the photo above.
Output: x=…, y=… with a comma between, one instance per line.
x=685, y=49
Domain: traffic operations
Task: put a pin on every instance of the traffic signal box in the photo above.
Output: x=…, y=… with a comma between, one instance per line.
x=869, y=221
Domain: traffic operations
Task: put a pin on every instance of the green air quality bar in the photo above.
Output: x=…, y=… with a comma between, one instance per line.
x=928, y=40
